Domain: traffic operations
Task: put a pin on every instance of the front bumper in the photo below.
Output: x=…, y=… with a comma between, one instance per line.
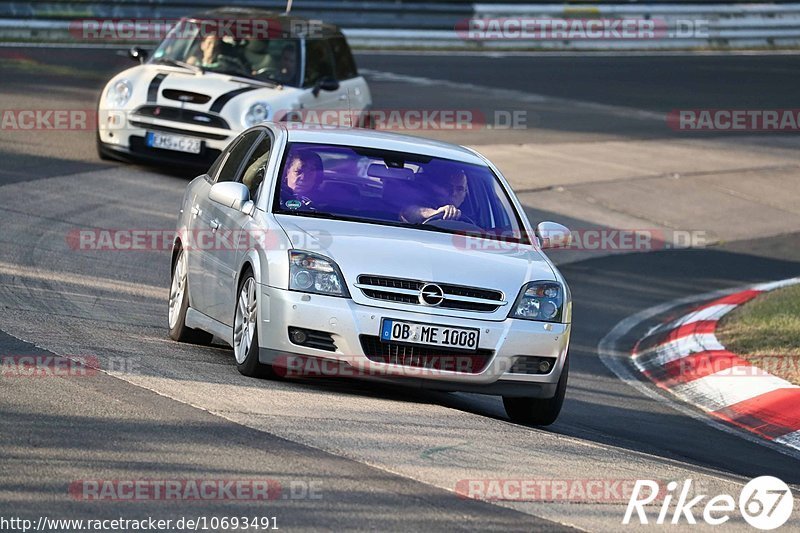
x=346, y=321
x=121, y=135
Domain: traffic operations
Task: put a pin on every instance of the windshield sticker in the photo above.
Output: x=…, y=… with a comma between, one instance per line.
x=293, y=204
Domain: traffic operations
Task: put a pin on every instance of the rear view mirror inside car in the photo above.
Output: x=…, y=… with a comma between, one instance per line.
x=378, y=170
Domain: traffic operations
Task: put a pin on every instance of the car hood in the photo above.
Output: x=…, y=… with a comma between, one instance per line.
x=416, y=254
x=226, y=94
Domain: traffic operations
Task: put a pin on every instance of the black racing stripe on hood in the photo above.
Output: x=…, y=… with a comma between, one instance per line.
x=223, y=99
x=152, y=90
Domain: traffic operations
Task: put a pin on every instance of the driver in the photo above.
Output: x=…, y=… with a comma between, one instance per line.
x=213, y=56
x=301, y=179
x=448, y=195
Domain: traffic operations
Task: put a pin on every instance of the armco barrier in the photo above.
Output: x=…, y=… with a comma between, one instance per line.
x=434, y=25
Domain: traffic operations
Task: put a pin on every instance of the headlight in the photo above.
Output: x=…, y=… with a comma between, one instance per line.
x=313, y=273
x=119, y=93
x=540, y=300
x=257, y=113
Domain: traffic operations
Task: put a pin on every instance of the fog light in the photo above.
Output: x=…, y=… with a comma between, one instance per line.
x=544, y=366
x=298, y=336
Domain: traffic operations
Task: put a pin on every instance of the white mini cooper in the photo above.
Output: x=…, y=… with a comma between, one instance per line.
x=219, y=73
x=351, y=252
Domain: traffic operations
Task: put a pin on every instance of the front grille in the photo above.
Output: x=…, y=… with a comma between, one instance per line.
x=178, y=114
x=186, y=96
x=178, y=131
x=391, y=283
x=407, y=291
x=530, y=365
x=430, y=357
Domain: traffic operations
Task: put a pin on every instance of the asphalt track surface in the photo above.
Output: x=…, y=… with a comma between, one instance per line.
x=386, y=457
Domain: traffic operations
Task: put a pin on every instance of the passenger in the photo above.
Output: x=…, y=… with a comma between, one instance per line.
x=288, y=64
x=448, y=195
x=301, y=179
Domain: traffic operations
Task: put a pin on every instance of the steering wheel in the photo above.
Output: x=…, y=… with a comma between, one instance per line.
x=440, y=215
x=233, y=63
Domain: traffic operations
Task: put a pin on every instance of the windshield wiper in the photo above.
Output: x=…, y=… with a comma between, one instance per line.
x=245, y=76
x=183, y=64
x=312, y=214
x=271, y=80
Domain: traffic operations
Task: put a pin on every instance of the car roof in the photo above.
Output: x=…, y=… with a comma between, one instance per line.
x=290, y=25
x=381, y=140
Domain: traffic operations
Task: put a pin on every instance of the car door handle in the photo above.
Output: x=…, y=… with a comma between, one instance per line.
x=195, y=210
x=214, y=224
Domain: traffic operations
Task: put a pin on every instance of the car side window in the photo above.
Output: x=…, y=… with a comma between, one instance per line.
x=345, y=64
x=319, y=62
x=215, y=167
x=256, y=166
x=230, y=169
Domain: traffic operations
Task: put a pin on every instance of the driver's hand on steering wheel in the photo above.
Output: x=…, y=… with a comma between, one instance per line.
x=449, y=212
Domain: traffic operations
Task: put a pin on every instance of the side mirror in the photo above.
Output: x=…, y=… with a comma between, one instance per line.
x=325, y=84
x=231, y=194
x=138, y=54
x=553, y=235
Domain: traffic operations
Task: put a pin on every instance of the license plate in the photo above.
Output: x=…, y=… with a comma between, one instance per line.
x=429, y=335
x=177, y=143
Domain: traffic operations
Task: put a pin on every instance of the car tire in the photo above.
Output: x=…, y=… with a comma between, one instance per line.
x=179, y=304
x=538, y=411
x=245, y=331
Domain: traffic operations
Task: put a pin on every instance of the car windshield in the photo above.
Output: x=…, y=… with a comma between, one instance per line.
x=211, y=46
x=393, y=188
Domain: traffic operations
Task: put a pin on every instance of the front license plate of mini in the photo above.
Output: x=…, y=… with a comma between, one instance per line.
x=177, y=143
x=429, y=335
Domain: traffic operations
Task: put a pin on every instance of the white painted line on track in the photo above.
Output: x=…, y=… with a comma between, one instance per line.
x=137, y=289
x=511, y=94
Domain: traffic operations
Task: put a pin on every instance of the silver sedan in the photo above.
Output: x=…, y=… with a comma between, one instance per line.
x=350, y=252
